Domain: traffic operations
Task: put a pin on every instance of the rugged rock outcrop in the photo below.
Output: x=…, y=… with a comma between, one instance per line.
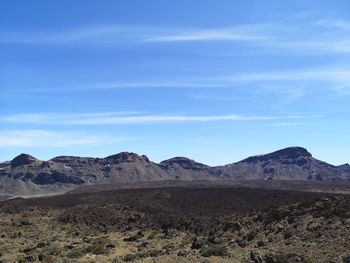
x=22, y=159
x=27, y=175
x=181, y=166
x=294, y=163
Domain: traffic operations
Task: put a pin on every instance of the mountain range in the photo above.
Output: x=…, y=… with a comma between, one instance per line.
x=26, y=175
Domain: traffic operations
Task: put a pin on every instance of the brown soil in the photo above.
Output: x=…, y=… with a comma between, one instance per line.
x=186, y=225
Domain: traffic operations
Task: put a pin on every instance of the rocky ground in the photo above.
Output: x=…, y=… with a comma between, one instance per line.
x=177, y=225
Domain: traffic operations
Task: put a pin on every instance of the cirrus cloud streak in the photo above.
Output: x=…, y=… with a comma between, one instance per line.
x=118, y=119
x=51, y=139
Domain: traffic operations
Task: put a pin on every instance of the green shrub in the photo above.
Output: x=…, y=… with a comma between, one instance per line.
x=152, y=234
x=76, y=253
x=97, y=249
x=213, y=251
x=278, y=258
x=48, y=258
x=281, y=259
x=53, y=249
x=151, y=253
x=129, y=257
x=100, y=240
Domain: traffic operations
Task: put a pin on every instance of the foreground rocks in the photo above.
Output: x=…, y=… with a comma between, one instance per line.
x=178, y=225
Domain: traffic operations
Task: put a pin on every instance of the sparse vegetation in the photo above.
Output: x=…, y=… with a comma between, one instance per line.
x=192, y=225
x=129, y=257
x=213, y=251
x=151, y=253
x=76, y=253
x=97, y=249
x=152, y=234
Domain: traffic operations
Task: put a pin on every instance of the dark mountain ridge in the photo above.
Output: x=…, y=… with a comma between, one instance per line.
x=287, y=153
x=26, y=175
x=22, y=159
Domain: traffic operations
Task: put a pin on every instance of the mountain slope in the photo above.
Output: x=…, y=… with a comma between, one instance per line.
x=26, y=175
x=294, y=163
x=184, y=167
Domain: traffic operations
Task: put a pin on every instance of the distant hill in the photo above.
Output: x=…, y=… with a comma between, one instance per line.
x=294, y=163
x=26, y=175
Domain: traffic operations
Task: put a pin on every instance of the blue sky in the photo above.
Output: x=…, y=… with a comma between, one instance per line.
x=215, y=81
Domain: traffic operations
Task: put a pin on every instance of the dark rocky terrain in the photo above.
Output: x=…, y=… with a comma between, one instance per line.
x=282, y=207
x=288, y=164
x=289, y=185
x=178, y=225
x=25, y=175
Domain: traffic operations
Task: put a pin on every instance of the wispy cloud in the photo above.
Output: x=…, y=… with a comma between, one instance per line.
x=283, y=124
x=325, y=45
x=97, y=35
x=289, y=85
x=209, y=35
x=116, y=119
x=114, y=34
x=295, y=84
x=174, y=83
x=325, y=35
x=44, y=138
x=337, y=74
x=339, y=24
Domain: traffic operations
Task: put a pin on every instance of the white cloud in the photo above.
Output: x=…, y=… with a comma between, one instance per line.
x=208, y=35
x=117, y=119
x=100, y=34
x=327, y=45
x=283, y=124
x=325, y=35
x=295, y=84
x=290, y=85
x=152, y=84
x=339, y=24
x=335, y=74
x=114, y=34
x=44, y=138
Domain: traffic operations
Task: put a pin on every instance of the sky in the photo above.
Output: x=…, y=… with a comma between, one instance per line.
x=214, y=80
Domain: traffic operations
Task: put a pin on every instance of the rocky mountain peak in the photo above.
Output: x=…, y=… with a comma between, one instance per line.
x=126, y=157
x=23, y=159
x=291, y=153
x=183, y=162
x=344, y=167
x=287, y=153
x=294, y=163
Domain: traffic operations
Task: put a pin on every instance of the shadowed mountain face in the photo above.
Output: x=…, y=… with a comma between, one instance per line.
x=292, y=153
x=188, y=168
x=293, y=163
x=25, y=175
x=22, y=159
